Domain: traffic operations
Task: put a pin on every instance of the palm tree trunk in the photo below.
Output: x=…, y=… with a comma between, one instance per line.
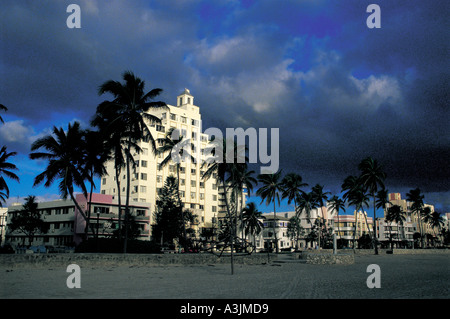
x=182, y=210
x=374, y=238
x=354, y=232
x=275, y=226
x=320, y=226
x=127, y=199
x=90, y=210
x=339, y=225
x=368, y=228
x=119, y=205
x=231, y=224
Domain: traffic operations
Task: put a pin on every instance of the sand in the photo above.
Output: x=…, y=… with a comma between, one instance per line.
x=401, y=276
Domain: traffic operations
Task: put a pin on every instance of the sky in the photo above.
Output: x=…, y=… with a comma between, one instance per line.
x=337, y=90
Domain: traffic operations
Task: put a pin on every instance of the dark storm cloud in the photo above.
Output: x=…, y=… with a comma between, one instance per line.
x=337, y=90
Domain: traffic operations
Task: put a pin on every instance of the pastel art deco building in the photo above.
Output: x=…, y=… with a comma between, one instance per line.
x=202, y=196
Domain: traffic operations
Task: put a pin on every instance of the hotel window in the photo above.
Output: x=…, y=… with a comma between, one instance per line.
x=193, y=183
x=144, y=163
x=104, y=181
x=214, y=209
x=173, y=117
x=181, y=101
x=184, y=119
x=182, y=182
x=182, y=170
x=144, y=176
x=182, y=193
x=189, y=100
x=214, y=197
x=201, y=207
x=192, y=195
x=214, y=186
x=143, y=189
x=202, y=184
x=160, y=128
x=202, y=196
x=193, y=171
x=159, y=178
x=163, y=116
x=194, y=122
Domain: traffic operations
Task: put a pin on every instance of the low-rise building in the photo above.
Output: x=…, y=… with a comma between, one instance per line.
x=66, y=227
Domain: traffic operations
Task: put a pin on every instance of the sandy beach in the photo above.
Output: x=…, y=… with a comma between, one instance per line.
x=402, y=276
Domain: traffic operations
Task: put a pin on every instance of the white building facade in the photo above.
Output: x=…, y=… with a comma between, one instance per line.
x=202, y=196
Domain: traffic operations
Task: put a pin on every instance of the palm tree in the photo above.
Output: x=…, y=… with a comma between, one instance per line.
x=382, y=199
x=131, y=104
x=4, y=108
x=416, y=199
x=337, y=204
x=172, y=142
x=397, y=215
x=359, y=198
x=251, y=221
x=372, y=178
x=239, y=179
x=292, y=184
x=436, y=222
x=6, y=169
x=105, y=120
x=320, y=196
x=94, y=162
x=65, y=155
x=425, y=216
x=306, y=203
x=219, y=165
x=295, y=229
x=270, y=192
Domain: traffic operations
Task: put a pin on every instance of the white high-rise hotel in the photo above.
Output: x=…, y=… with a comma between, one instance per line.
x=203, y=197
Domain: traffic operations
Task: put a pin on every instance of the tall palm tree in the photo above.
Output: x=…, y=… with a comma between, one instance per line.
x=4, y=108
x=173, y=142
x=240, y=178
x=6, y=169
x=219, y=165
x=359, y=199
x=372, y=179
x=251, y=221
x=397, y=215
x=382, y=200
x=436, y=222
x=337, y=204
x=94, y=162
x=295, y=230
x=425, y=216
x=320, y=196
x=107, y=123
x=131, y=105
x=65, y=154
x=416, y=199
x=306, y=204
x=292, y=183
x=270, y=192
